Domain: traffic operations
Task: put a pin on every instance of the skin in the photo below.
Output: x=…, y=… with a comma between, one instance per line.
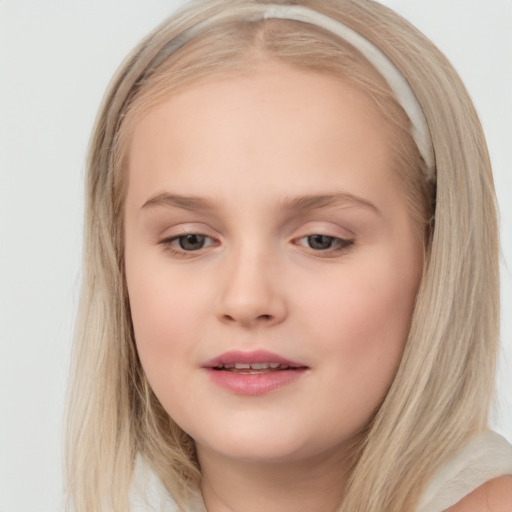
x=248, y=147
x=493, y=496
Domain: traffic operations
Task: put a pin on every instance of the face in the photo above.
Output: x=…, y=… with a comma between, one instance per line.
x=271, y=262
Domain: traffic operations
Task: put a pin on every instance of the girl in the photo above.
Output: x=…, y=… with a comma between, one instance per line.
x=291, y=287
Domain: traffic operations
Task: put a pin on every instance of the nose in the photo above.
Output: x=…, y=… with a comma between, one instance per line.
x=251, y=295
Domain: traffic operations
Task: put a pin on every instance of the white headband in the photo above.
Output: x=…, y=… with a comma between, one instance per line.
x=374, y=55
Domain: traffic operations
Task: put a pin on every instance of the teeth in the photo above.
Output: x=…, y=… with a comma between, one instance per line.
x=260, y=366
x=242, y=366
x=252, y=366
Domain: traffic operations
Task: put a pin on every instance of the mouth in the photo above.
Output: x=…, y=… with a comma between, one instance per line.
x=251, y=362
x=254, y=368
x=254, y=372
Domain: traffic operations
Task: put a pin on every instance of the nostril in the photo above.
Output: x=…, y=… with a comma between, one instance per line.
x=258, y=318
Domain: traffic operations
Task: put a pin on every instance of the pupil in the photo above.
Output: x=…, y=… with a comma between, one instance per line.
x=320, y=242
x=191, y=242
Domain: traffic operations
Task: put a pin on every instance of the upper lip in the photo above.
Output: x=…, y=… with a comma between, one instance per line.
x=247, y=357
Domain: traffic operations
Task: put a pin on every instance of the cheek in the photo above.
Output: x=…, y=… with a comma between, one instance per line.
x=364, y=322
x=165, y=316
x=165, y=326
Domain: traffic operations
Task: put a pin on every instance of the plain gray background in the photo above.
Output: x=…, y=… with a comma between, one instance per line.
x=56, y=58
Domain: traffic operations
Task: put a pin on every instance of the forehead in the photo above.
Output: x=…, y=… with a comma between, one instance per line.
x=280, y=126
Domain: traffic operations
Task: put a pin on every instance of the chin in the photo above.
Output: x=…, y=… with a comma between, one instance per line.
x=270, y=443
x=251, y=450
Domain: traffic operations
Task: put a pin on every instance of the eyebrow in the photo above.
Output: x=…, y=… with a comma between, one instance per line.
x=312, y=202
x=179, y=201
x=306, y=202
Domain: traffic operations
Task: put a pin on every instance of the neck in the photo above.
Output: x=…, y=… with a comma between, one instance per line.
x=314, y=484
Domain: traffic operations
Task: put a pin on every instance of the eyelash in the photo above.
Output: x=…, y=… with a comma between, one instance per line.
x=337, y=245
x=170, y=244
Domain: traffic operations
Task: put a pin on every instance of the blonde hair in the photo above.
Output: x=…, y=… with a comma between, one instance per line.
x=443, y=387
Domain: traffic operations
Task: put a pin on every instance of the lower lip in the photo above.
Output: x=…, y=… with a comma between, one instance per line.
x=253, y=384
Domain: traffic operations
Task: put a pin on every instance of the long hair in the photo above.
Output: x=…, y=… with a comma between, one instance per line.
x=443, y=387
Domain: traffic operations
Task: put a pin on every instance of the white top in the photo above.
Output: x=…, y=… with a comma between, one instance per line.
x=485, y=457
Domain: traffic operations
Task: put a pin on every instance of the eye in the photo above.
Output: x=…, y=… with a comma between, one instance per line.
x=319, y=242
x=189, y=242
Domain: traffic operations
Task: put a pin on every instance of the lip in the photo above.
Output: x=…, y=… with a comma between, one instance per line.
x=253, y=384
x=247, y=357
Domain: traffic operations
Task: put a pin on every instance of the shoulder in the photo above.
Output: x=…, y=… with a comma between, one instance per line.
x=493, y=496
